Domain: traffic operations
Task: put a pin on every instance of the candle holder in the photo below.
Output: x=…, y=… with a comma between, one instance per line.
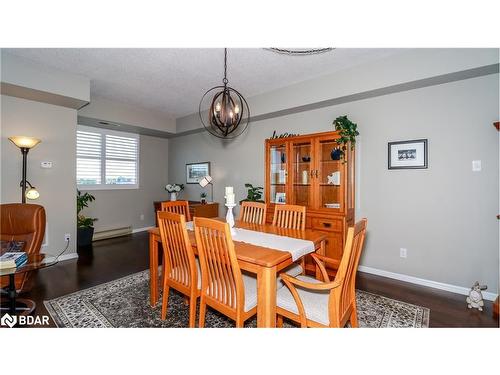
x=230, y=217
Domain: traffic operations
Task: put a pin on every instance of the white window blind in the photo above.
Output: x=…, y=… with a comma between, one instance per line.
x=88, y=158
x=106, y=159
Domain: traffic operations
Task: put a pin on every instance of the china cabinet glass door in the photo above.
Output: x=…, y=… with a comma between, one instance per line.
x=278, y=173
x=302, y=172
x=330, y=176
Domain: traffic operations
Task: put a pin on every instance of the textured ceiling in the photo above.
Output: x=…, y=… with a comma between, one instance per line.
x=171, y=81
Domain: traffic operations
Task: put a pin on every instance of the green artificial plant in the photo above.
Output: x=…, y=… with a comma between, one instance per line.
x=348, y=132
x=82, y=201
x=254, y=194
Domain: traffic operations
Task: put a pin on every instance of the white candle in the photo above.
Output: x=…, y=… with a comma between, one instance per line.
x=230, y=199
x=229, y=190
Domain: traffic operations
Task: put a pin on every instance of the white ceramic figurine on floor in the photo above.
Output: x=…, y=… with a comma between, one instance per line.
x=475, y=298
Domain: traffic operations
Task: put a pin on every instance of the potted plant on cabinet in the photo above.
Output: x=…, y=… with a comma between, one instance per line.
x=85, y=228
x=203, y=197
x=348, y=132
x=254, y=194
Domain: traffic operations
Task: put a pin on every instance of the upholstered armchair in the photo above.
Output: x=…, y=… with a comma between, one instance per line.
x=22, y=223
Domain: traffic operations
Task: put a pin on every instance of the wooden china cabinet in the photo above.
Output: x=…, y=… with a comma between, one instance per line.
x=305, y=170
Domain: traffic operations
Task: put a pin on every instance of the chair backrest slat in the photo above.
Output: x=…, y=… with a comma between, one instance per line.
x=253, y=212
x=290, y=216
x=221, y=274
x=180, y=264
x=177, y=207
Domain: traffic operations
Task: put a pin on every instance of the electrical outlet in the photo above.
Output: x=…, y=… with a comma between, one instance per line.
x=402, y=252
x=142, y=217
x=476, y=165
x=67, y=237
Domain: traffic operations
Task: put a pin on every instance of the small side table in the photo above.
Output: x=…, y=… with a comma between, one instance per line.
x=18, y=306
x=209, y=209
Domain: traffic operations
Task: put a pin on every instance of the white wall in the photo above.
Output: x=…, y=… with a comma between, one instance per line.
x=56, y=127
x=408, y=66
x=445, y=216
x=109, y=110
x=25, y=73
x=123, y=207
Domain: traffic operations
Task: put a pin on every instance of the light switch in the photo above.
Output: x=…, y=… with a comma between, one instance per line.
x=46, y=164
x=476, y=165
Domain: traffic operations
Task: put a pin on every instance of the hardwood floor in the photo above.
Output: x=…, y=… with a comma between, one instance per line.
x=118, y=257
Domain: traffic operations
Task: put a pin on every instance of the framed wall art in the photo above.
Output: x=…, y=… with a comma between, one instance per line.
x=196, y=171
x=407, y=154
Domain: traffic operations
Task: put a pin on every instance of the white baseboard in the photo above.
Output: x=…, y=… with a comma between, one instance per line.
x=137, y=230
x=429, y=283
x=68, y=256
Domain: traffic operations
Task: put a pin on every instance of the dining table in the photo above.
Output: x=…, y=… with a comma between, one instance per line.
x=266, y=263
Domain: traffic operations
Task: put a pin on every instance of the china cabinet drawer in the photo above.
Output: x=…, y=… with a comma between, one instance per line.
x=330, y=225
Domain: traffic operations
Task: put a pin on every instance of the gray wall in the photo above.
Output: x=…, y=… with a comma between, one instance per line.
x=56, y=127
x=118, y=208
x=445, y=216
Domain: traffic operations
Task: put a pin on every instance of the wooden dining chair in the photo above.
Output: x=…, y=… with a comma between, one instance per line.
x=316, y=303
x=177, y=207
x=223, y=286
x=253, y=212
x=290, y=216
x=181, y=270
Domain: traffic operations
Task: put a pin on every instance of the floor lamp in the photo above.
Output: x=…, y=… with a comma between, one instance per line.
x=207, y=180
x=25, y=144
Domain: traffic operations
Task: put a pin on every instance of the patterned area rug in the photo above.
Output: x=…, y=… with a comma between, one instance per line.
x=125, y=303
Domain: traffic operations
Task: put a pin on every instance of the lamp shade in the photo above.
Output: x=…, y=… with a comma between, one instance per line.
x=24, y=142
x=205, y=181
x=32, y=193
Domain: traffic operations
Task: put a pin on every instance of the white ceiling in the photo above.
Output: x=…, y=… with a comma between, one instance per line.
x=171, y=81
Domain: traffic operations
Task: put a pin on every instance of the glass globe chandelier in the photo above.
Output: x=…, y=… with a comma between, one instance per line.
x=228, y=113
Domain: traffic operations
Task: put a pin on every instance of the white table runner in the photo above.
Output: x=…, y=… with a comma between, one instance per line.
x=296, y=247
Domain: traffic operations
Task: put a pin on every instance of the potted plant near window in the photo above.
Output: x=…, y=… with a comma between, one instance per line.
x=254, y=194
x=85, y=228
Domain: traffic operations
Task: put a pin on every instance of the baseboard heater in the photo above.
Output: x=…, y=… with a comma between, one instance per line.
x=111, y=233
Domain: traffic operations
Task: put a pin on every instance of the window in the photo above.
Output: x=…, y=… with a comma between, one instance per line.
x=106, y=159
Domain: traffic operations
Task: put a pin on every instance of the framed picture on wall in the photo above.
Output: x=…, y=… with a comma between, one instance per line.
x=196, y=171
x=407, y=154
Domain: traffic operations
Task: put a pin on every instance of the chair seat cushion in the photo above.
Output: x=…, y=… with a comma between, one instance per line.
x=250, y=283
x=293, y=270
x=315, y=302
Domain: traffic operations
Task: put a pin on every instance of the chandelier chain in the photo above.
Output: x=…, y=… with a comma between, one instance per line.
x=225, y=81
